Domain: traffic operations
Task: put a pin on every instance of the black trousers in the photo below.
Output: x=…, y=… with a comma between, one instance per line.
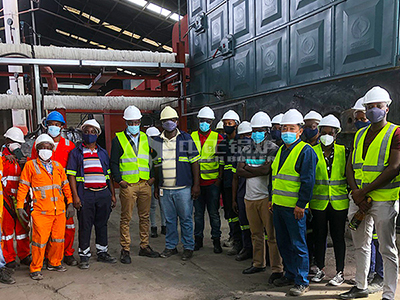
x=337, y=222
x=231, y=216
x=95, y=210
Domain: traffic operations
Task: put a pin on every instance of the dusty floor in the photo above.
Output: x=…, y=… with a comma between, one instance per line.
x=206, y=276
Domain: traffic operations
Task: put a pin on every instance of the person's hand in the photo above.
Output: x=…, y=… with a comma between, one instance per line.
x=124, y=184
x=77, y=202
x=11, y=158
x=156, y=192
x=113, y=202
x=358, y=196
x=23, y=215
x=364, y=206
x=298, y=213
x=70, y=211
x=235, y=206
x=195, y=191
x=270, y=207
x=150, y=182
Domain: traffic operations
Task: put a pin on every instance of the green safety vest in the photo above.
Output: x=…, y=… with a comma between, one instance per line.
x=209, y=165
x=332, y=189
x=376, y=160
x=134, y=167
x=286, y=183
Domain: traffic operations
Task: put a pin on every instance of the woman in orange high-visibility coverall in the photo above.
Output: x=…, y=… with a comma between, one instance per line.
x=49, y=184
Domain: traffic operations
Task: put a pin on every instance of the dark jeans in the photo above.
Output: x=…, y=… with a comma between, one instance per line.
x=337, y=223
x=376, y=260
x=95, y=210
x=231, y=216
x=244, y=224
x=209, y=197
x=292, y=245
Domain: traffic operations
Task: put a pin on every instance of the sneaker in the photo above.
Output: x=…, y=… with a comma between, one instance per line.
x=36, y=275
x=125, y=257
x=376, y=285
x=70, y=260
x=168, y=252
x=187, y=254
x=228, y=243
x=84, y=263
x=148, y=252
x=313, y=270
x=11, y=265
x=106, y=258
x=163, y=230
x=5, y=277
x=283, y=281
x=299, y=290
x=337, y=280
x=274, y=276
x=217, y=245
x=354, y=293
x=59, y=268
x=26, y=261
x=319, y=276
x=153, y=232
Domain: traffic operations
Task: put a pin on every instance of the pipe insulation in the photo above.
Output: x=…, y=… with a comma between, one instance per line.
x=86, y=102
x=52, y=52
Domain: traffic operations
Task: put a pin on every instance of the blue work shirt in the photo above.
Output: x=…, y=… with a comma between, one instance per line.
x=305, y=166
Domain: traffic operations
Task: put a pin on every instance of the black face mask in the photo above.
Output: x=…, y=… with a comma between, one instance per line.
x=229, y=129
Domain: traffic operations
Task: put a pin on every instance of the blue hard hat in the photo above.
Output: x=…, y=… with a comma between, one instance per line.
x=55, y=116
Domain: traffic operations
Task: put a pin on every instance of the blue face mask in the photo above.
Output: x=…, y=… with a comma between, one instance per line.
x=361, y=124
x=204, y=126
x=134, y=129
x=53, y=131
x=276, y=135
x=289, y=137
x=258, y=136
x=89, y=138
x=310, y=133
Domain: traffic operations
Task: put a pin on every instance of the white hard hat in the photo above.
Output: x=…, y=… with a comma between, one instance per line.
x=244, y=127
x=313, y=115
x=359, y=105
x=132, y=113
x=277, y=119
x=231, y=115
x=331, y=121
x=220, y=125
x=44, y=138
x=152, y=131
x=94, y=123
x=168, y=113
x=260, y=119
x=15, y=134
x=206, y=113
x=377, y=94
x=292, y=116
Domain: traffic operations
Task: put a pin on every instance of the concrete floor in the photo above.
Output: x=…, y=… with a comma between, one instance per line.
x=206, y=276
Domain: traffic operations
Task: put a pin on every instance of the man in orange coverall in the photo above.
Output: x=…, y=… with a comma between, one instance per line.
x=49, y=184
x=54, y=122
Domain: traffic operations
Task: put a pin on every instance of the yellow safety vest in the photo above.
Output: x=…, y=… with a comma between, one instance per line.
x=286, y=183
x=209, y=164
x=376, y=160
x=332, y=189
x=134, y=167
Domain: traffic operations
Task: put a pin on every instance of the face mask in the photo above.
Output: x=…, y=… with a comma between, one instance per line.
x=258, y=136
x=289, y=137
x=229, y=129
x=134, y=129
x=326, y=139
x=54, y=131
x=45, y=154
x=375, y=115
x=204, y=126
x=310, y=133
x=169, y=125
x=13, y=146
x=361, y=124
x=89, y=138
x=276, y=135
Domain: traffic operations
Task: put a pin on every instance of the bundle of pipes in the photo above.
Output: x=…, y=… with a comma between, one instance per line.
x=52, y=52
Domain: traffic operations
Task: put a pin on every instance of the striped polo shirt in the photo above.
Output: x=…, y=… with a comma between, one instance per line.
x=93, y=170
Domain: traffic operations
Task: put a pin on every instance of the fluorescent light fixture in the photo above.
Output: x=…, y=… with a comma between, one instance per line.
x=130, y=34
x=62, y=32
x=151, y=42
x=168, y=48
x=140, y=3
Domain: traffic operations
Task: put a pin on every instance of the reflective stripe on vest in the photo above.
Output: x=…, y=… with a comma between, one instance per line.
x=134, y=167
x=286, y=182
x=376, y=160
x=332, y=190
x=209, y=164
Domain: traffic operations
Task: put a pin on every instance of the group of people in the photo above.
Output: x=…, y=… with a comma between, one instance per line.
x=279, y=180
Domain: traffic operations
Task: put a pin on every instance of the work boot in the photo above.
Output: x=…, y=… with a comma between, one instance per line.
x=148, y=252
x=153, y=233
x=163, y=230
x=59, y=268
x=70, y=260
x=125, y=258
x=228, y=243
x=187, y=254
x=198, y=243
x=217, y=245
x=36, y=275
x=244, y=254
x=106, y=258
x=168, y=252
x=26, y=261
x=235, y=249
x=275, y=276
x=84, y=263
x=11, y=265
x=299, y=290
x=5, y=277
x=283, y=281
x=354, y=293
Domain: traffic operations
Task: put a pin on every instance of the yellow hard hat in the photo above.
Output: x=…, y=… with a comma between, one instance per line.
x=168, y=113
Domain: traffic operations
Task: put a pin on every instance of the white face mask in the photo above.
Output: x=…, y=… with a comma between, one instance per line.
x=13, y=146
x=326, y=139
x=45, y=154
